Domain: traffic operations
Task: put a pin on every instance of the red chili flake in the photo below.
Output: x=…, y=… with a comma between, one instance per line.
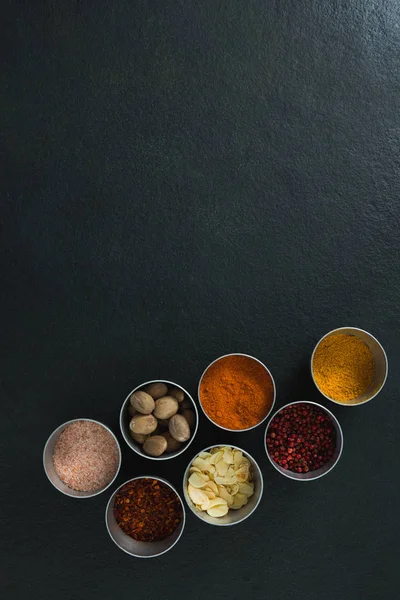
x=306, y=437
x=147, y=510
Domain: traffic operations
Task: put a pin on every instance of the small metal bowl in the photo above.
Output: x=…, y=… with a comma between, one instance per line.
x=246, y=428
x=124, y=419
x=133, y=547
x=233, y=517
x=51, y=472
x=311, y=475
x=380, y=359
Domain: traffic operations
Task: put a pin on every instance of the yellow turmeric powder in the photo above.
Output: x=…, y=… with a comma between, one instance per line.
x=343, y=367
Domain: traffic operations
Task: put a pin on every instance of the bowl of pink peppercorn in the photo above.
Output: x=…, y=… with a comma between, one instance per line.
x=303, y=441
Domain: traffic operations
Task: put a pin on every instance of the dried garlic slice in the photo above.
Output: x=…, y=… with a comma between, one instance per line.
x=228, y=456
x=209, y=494
x=217, y=457
x=204, y=455
x=198, y=480
x=242, y=474
x=217, y=507
x=217, y=501
x=225, y=495
x=196, y=495
x=239, y=501
x=233, y=489
x=218, y=511
x=237, y=458
x=224, y=480
x=204, y=505
x=231, y=474
x=221, y=468
x=246, y=488
x=211, y=485
x=199, y=463
x=194, y=470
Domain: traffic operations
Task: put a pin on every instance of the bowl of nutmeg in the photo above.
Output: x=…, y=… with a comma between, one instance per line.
x=159, y=419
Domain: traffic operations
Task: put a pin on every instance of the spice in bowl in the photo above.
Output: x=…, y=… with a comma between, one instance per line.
x=147, y=510
x=237, y=392
x=86, y=456
x=220, y=480
x=161, y=418
x=301, y=438
x=343, y=367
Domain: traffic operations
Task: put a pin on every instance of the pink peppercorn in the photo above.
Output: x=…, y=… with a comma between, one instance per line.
x=303, y=438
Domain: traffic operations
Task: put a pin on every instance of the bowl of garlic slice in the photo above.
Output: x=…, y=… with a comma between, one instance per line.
x=223, y=485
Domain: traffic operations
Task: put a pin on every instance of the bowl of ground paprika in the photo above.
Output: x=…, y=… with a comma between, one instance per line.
x=349, y=366
x=303, y=441
x=145, y=516
x=237, y=392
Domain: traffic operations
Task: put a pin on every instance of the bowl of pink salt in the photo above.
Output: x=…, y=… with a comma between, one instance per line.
x=82, y=458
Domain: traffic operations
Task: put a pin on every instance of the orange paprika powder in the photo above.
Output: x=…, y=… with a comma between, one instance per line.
x=236, y=391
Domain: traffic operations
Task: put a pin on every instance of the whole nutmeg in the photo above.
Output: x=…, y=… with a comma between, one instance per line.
x=165, y=407
x=172, y=444
x=177, y=393
x=190, y=417
x=140, y=438
x=144, y=424
x=157, y=390
x=179, y=428
x=142, y=402
x=155, y=445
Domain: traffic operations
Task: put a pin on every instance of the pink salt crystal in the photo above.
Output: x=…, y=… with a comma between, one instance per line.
x=86, y=456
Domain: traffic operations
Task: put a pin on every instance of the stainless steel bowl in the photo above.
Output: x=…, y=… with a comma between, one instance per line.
x=311, y=475
x=380, y=359
x=247, y=428
x=233, y=517
x=133, y=547
x=124, y=420
x=51, y=472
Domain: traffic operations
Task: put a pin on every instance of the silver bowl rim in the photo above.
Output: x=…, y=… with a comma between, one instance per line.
x=384, y=355
x=245, y=453
x=247, y=428
x=59, y=430
x=339, y=428
x=130, y=442
x=183, y=516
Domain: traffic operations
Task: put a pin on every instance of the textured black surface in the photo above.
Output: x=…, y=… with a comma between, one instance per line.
x=182, y=180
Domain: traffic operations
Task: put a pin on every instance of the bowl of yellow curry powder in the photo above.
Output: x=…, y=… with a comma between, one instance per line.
x=349, y=366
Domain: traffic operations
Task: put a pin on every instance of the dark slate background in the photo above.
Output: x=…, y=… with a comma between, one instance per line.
x=183, y=180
